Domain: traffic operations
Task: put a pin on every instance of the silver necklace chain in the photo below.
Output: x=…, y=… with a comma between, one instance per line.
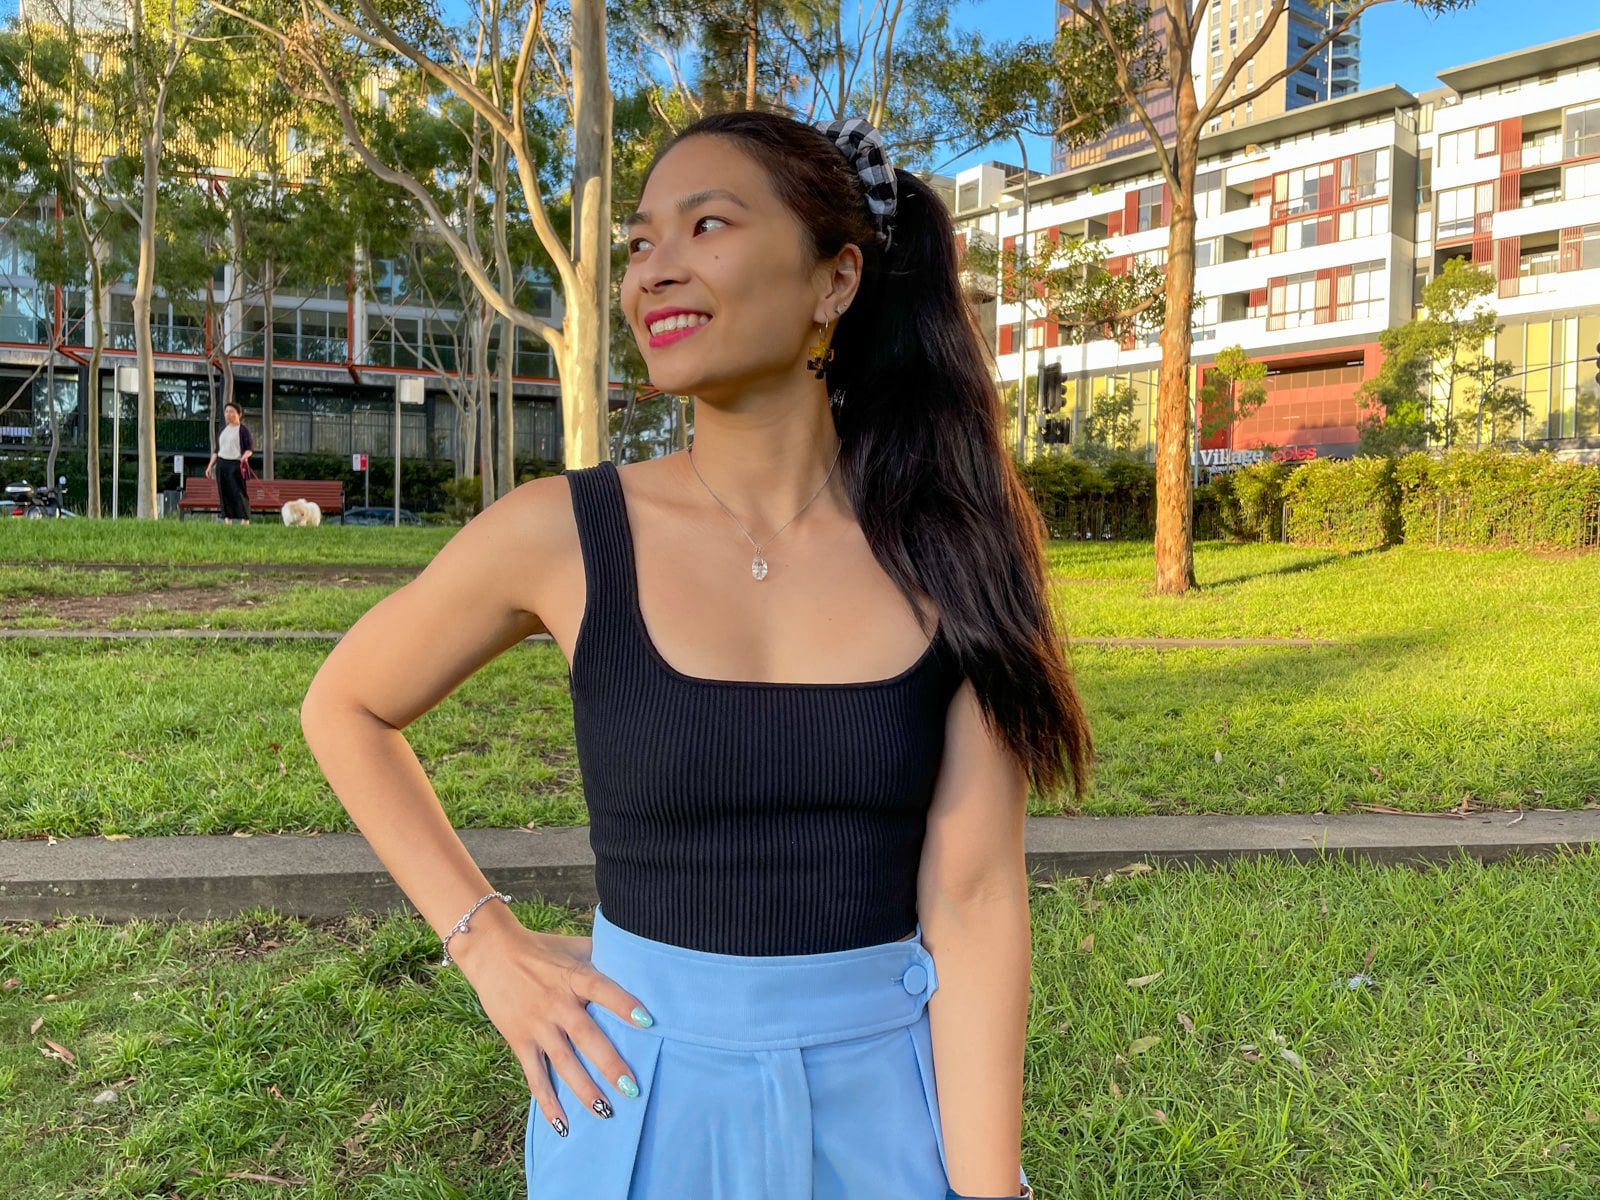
x=758, y=565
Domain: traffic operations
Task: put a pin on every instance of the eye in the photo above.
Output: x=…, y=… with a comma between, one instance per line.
x=633, y=243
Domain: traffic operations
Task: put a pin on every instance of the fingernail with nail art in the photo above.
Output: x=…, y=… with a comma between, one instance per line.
x=627, y=1086
x=602, y=1106
x=560, y=1126
x=640, y=1017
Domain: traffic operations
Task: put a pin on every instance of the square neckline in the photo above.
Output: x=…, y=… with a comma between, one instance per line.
x=636, y=614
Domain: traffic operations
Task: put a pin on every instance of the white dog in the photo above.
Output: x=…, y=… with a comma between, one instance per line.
x=302, y=512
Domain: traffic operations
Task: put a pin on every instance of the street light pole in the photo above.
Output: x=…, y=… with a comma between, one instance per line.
x=124, y=381
x=408, y=389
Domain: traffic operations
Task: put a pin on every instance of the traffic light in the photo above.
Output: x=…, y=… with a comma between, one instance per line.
x=1056, y=431
x=1597, y=364
x=1050, y=388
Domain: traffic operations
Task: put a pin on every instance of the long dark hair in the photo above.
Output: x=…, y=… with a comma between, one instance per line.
x=923, y=457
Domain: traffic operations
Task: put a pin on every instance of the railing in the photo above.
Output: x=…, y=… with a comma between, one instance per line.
x=304, y=347
x=1532, y=285
x=165, y=339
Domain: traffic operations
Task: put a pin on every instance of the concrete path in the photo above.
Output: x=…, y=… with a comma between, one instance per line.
x=326, y=875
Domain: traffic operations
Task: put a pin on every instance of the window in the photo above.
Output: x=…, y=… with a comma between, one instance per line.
x=1469, y=144
x=1457, y=207
x=1208, y=194
x=1363, y=222
x=1207, y=252
x=1581, y=136
x=1582, y=181
x=1363, y=292
x=1149, y=207
x=1035, y=335
x=1293, y=303
x=1364, y=176
x=1303, y=187
x=1589, y=255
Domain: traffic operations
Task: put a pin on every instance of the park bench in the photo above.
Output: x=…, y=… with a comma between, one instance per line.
x=266, y=495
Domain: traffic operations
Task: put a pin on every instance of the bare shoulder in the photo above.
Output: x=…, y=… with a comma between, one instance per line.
x=529, y=540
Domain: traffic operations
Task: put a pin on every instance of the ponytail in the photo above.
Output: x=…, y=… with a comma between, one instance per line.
x=923, y=454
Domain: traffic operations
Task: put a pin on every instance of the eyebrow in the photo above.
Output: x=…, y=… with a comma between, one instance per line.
x=684, y=205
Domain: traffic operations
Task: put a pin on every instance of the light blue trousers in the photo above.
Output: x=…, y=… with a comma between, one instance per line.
x=803, y=1077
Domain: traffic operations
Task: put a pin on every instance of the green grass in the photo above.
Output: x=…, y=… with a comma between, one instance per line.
x=204, y=737
x=208, y=541
x=1466, y=1064
x=1457, y=676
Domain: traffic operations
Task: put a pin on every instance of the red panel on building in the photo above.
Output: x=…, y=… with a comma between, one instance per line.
x=1571, y=248
x=1311, y=402
x=1508, y=264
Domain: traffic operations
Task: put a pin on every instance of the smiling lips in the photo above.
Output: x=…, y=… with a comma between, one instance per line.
x=674, y=328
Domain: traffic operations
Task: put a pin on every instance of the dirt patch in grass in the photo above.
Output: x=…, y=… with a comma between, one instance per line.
x=99, y=610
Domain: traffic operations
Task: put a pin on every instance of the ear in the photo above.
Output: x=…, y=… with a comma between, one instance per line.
x=842, y=280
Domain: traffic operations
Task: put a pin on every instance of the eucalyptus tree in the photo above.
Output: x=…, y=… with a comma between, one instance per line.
x=522, y=68
x=1111, y=59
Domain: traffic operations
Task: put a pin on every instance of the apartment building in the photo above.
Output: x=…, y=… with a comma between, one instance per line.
x=1226, y=27
x=1317, y=228
x=1512, y=160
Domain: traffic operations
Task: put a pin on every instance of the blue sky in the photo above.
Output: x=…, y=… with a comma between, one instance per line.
x=1399, y=44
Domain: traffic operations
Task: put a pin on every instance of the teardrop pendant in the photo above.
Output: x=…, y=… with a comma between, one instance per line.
x=758, y=568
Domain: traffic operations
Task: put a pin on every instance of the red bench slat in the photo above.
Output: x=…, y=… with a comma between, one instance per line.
x=200, y=494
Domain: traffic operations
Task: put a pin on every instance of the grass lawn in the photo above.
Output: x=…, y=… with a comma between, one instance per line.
x=203, y=540
x=1331, y=1032
x=1457, y=676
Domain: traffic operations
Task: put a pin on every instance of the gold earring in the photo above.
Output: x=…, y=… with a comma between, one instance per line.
x=821, y=354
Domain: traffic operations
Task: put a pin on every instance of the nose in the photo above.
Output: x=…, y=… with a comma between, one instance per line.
x=660, y=268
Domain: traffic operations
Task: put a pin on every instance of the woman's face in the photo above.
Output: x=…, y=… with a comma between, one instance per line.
x=232, y=414
x=714, y=247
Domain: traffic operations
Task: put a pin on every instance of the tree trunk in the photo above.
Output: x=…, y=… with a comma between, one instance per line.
x=143, y=344
x=1174, y=479
x=585, y=361
x=96, y=305
x=752, y=41
x=483, y=388
x=268, y=296
x=506, y=410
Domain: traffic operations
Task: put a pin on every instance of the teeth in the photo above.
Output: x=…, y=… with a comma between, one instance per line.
x=681, y=321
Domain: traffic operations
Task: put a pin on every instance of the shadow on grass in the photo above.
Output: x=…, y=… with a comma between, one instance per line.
x=1298, y=732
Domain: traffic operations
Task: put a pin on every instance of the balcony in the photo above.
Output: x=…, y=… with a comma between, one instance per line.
x=165, y=339
x=1349, y=72
x=289, y=347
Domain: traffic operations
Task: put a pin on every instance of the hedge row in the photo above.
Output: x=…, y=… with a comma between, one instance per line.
x=1465, y=498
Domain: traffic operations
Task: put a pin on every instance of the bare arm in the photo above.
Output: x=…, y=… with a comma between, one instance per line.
x=405, y=655
x=476, y=599
x=973, y=905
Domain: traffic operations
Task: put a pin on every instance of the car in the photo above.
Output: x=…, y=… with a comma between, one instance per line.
x=379, y=515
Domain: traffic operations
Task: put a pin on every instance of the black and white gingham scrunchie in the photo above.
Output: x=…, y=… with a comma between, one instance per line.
x=860, y=143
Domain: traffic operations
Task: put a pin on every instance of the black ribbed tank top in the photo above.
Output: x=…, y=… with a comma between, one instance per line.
x=743, y=817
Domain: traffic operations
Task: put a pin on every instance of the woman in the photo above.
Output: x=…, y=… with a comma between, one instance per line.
x=813, y=671
x=228, y=463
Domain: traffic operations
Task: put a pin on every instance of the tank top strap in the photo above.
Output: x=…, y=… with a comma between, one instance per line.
x=607, y=546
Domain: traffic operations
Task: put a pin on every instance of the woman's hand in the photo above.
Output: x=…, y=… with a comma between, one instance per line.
x=534, y=987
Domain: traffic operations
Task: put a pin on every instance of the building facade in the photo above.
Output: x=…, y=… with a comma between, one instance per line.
x=1318, y=227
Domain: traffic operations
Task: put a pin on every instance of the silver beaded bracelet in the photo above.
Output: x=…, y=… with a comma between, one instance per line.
x=461, y=925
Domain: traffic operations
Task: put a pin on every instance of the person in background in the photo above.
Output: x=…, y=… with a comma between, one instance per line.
x=228, y=462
